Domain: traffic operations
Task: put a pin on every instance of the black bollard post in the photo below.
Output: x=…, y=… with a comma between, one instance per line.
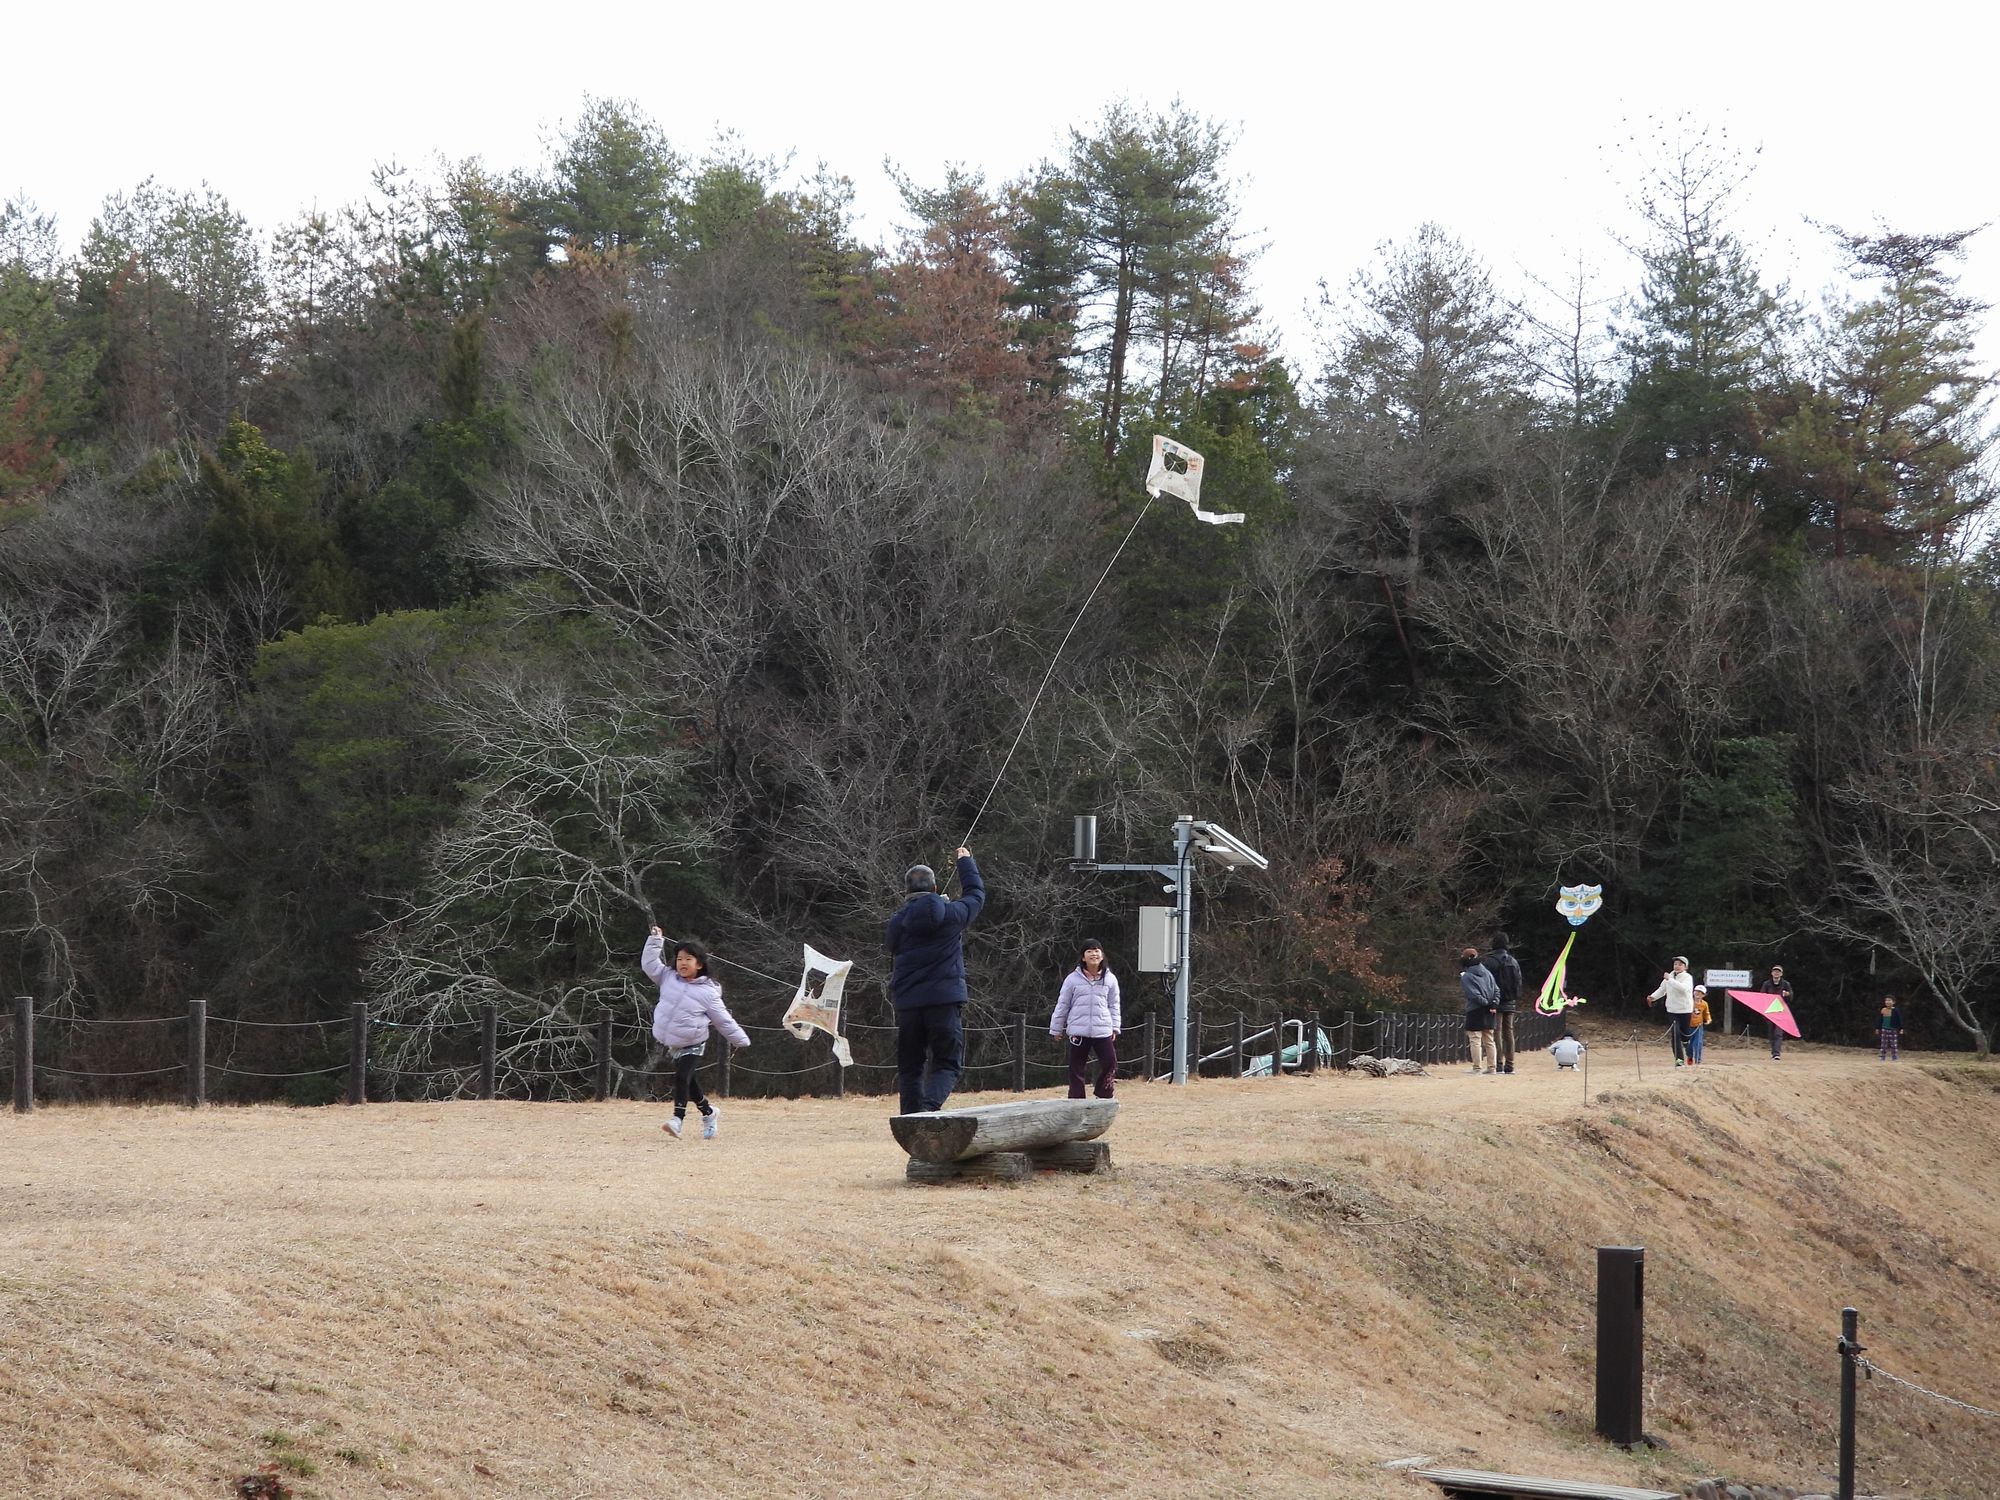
x=1346, y=1058
x=1020, y=1052
x=197, y=1054
x=603, y=1089
x=1621, y=1329
x=1850, y=1347
x=1277, y=1044
x=839, y=1079
x=357, y=1053
x=489, y=1048
x=24, y=1054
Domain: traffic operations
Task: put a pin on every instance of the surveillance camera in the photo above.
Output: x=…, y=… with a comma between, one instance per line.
x=1169, y=889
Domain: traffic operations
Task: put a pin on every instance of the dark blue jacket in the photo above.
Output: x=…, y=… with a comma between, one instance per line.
x=1506, y=972
x=928, y=939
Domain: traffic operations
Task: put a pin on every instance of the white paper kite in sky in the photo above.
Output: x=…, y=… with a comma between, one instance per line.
x=1185, y=482
x=816, y=1005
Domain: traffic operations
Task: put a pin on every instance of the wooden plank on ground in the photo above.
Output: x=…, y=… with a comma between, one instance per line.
x=1072, y=1156
x=955, y=1134
x=1002, y=1166
x=1528, y=1487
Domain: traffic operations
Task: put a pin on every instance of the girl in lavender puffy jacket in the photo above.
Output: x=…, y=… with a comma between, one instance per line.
x=1087, y=1013
x=689, y=1002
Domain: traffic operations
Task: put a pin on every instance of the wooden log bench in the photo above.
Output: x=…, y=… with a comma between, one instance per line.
x=1475, y=1483
x=1006, y=1141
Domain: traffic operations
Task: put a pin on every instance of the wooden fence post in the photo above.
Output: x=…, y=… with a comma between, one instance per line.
x=1309, y=1043
x=489, y=1048
x=1277, y=1044
x=357, y=1053
x=1346, y=1058
x=839, y=1080
x=727, y=1052
x=1150, y=1054
x=24, y=1054
x=197, y=1054
x=603, y=1056
x=1239, y=1044
x=1020, y=1052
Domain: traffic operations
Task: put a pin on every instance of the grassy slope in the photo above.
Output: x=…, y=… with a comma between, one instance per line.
x=1284, y=1285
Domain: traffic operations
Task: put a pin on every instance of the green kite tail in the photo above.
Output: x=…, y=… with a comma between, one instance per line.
x=1550, y=1001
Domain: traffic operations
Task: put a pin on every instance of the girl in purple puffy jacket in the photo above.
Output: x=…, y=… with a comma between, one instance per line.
x=1087, y=1013
x=689, y=1002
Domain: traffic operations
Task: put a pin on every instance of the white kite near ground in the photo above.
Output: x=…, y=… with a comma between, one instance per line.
x=1185, y=482
x=816, y=1004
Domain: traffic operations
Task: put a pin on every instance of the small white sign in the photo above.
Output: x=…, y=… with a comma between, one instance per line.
x=1727, y=978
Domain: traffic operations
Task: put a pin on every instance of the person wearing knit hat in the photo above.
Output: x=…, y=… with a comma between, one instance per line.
x=1088, y=1014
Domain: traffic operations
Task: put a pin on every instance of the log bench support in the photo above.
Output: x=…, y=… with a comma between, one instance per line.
x=1015, y=1166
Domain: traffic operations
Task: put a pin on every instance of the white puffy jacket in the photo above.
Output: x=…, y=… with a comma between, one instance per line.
x=1678, y=991
x=686, y=1006
x=1086, y=1006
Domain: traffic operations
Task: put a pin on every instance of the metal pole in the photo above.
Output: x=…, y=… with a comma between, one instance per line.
x=1184, y=921
x=357, y=1053
x=604, y=1056
x=1239, y=1044
x=24, y=1054
x=489, y=1048
x=1850, y=1329
x=197, y=1053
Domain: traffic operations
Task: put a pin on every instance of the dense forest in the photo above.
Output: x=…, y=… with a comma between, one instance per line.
x=412, y=603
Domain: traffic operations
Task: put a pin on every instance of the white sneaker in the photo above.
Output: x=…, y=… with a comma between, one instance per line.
x=673, y=1126
x=708, y=1124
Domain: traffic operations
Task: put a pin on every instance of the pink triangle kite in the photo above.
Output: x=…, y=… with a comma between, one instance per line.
x=1771, y=1007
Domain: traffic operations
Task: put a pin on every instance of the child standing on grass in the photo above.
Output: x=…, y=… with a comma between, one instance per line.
x=1087, y=1013
x=1698, y=1025
x=689, y=1002
x=1890, y=1030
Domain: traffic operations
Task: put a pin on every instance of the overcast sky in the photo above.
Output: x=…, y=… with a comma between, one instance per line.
x=1511, y=125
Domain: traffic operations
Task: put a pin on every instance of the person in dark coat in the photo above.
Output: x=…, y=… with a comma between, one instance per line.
x=1506, y=972
x=927, y=982
x=1482, y=1000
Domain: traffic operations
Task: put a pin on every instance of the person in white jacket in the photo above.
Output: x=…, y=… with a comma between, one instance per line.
x=689, y=1003
x=1087, y=1012
x=1677, y=989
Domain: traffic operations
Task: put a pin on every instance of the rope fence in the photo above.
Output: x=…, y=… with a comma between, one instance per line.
x=546, y=1052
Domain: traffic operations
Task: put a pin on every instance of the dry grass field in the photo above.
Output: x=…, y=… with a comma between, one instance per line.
x=1283, y=1286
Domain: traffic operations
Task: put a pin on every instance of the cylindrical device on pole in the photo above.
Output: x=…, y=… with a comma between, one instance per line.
x=1621, y=1328
x=1085, y=852
x=489, y=1048
x=604, y=1056
x=24, y=1054
x=197, y=1054
x=357, y=1053
x=1850, y=1346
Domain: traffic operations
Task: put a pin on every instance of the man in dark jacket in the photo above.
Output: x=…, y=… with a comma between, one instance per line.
x=1506, y=972
x=927, y=982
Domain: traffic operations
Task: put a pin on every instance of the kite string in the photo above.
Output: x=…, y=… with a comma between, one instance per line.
x=1051, y=672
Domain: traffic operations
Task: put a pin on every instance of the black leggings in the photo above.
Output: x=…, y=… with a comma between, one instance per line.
x=685, y=1085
